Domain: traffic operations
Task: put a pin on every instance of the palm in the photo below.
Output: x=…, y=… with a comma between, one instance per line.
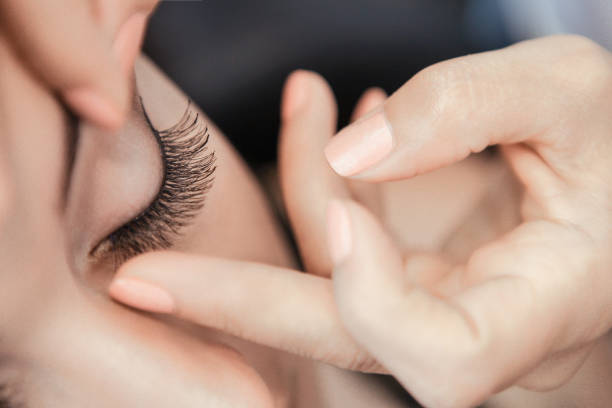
x=469, y=231
x=451, y=211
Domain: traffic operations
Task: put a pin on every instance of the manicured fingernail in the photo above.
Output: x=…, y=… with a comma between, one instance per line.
x=141, y=295
x=295, y=94
x=361, y=145
x=95, y=107
x=338, y=231
x=128, y=41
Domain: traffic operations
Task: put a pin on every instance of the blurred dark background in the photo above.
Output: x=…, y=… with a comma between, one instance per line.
x=232, y=56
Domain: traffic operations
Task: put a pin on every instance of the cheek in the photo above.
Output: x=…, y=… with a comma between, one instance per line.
x=124, y=359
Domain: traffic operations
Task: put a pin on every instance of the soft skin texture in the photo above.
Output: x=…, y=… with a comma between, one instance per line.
x=91, y=69
x=528, y=307
x=63, y=342
x=512, y=289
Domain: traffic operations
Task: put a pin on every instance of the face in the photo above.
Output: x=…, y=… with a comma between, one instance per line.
x=74, y=204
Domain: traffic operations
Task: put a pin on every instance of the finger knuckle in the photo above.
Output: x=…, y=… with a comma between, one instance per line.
x=452, y=94
x=363, y=362
x=448, y=85
x=587, y=66
x=451, y=86
x=581, y=43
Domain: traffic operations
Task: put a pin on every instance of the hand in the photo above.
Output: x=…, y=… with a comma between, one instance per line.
x=84, y=50
x=525, y=308
x=482, y=189
x=280, y=308
x=287, y=309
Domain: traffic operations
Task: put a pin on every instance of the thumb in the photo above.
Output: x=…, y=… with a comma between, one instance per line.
x=461, y=106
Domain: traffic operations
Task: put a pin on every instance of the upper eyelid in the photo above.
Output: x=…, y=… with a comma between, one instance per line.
x=188, y=174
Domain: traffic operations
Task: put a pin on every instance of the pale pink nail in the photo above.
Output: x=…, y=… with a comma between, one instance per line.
x=338, y=231
x=141, y=295
x=361, y=145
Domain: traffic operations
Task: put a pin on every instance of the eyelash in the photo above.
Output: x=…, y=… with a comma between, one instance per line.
x=189, y=170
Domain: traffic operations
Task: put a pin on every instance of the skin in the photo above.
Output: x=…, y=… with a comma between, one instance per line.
x=550, y=273
x=63, y=341
x=526, y=303
x=549, y=356
x=95, y=87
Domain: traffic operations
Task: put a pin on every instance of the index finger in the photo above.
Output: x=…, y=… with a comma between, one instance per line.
x=276, y=307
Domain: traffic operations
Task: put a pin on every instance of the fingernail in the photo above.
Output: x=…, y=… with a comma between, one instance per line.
x=128, y=41
x=141, y=295
x=361, y=145
x=95, y=107
x=338, y=231
x=295, y=94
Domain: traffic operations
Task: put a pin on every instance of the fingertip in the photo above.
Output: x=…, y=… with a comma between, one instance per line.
x=300, y=88
x=139, y=284
x=295, y=93
x=95, y=107
x=141, y=295
x=371, y=99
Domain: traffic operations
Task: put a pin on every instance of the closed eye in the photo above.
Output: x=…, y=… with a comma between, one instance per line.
x=188, y=175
